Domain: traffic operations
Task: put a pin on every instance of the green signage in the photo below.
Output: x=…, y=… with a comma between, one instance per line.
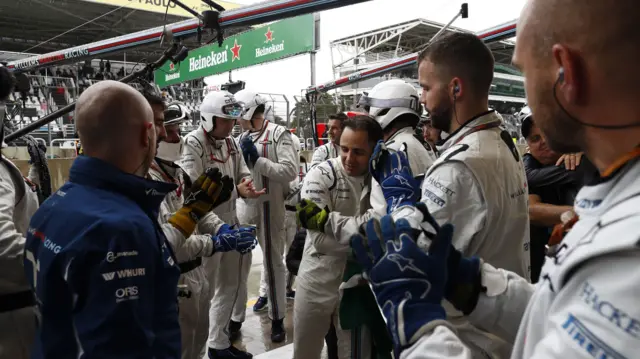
x=273, y=42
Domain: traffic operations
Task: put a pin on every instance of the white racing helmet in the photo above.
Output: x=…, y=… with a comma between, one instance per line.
x=219, y=104
x=251, y=100
x=390, y=99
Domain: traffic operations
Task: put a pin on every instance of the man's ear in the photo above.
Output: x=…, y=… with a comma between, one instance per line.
x=145, y=136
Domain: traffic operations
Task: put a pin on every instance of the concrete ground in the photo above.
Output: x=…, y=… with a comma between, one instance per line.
x=256, y=329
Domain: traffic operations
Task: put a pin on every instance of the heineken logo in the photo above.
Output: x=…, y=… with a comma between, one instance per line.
x=169, y=77
x=246, y=49
x=236, y=50
x=268, y=50
x=268, y=35
x=210, y=60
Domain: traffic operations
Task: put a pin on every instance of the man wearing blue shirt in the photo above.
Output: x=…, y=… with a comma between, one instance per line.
x=104, y=275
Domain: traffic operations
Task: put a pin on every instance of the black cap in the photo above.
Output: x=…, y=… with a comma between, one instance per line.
x=526, y=126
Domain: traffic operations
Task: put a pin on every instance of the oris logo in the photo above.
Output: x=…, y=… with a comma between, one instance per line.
x=128, y=293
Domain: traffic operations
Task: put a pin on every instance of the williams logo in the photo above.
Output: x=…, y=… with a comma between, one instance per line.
x=124, y=273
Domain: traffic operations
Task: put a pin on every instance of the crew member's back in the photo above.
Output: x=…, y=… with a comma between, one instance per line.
x=96, y=238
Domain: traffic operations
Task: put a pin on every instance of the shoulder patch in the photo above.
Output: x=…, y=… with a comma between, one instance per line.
x=323, y=172
x=278, y=131
x=195, y=144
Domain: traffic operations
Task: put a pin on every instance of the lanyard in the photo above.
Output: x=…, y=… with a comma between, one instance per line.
x=230, y=150
x=484, y=126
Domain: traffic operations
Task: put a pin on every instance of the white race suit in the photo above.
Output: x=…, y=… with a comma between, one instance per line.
x=274, y=169
x=586, y=302
x=327, y=151
x=193, y=299
x=323, y=262
x=479, y=185
x=18, y=202
x=247, y=214
x=226, y=272
x=292, y=197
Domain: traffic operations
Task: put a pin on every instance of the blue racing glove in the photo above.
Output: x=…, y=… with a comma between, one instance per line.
x=249, y=151
x=409, y=284
x=392, y=171
x=228, y=239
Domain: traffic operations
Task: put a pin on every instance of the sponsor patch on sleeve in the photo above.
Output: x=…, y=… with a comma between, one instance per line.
x=587, y=341
x=426, y=193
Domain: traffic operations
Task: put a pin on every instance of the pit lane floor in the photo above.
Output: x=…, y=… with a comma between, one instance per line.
x=256, y=329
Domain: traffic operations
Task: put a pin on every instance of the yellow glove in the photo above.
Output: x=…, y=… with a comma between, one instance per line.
x=202, y=196
x=310, y=216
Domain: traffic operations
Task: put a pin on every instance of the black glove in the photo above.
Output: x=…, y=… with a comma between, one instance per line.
x=227, y=189
x=464, y=280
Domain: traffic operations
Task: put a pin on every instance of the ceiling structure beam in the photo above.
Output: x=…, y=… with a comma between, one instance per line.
x=68, y=13
x=371, y=41
x=115, y=24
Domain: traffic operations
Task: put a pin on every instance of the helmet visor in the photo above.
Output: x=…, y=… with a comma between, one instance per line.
x=367, y=103
x=234, y=110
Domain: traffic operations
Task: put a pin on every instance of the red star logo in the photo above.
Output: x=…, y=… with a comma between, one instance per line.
x=171, y=66
x=236, y=50
x=268, y=35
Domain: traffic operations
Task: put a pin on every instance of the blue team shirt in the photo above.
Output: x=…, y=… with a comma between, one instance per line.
x=103, y=272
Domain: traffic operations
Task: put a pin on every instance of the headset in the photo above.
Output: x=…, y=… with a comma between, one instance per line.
x=456, y=91
x=559, y=80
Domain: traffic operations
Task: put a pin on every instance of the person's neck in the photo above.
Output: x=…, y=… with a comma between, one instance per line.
x=392, y=131
x=464, y=112
x=604, y=147
x=256, y=125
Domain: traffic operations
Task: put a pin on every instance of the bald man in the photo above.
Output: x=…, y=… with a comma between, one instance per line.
x=104, y=274
x=583, y=91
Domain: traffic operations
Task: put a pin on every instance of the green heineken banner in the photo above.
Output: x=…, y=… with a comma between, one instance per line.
x=279, y=40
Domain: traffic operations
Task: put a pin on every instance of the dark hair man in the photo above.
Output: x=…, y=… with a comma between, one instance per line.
x=478, y=183
x=430, y=134
x=336, y=185
x=586, y=304
x=96, y=256
x=552, y=190
x=331, y=149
